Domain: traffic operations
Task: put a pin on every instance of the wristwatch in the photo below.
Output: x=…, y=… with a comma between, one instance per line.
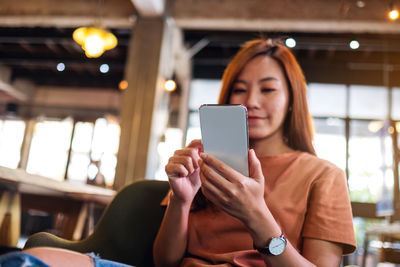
x=275, y=246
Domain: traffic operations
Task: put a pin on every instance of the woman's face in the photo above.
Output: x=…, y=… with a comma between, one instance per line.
x=262, y=88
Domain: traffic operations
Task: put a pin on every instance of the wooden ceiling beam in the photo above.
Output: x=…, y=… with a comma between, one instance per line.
x=231, y=15
x=149, y=8
x=53, y=47
x=282, y=25
x=20, y=89
x=65, y=21
x=284, y=15
x=66, y=14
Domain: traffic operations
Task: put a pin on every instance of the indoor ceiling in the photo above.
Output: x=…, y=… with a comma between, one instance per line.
x=325, y=57
x=33, y=54
x=31, y=48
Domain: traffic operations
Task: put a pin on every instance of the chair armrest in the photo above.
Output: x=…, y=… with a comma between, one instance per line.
x=44, y=239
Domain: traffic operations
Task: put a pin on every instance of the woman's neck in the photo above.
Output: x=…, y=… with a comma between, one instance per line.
x=273, y=145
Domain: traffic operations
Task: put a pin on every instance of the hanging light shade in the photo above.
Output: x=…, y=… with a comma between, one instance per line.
x=94, y=41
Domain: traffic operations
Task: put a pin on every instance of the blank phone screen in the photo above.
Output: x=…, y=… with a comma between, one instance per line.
x=225, y=135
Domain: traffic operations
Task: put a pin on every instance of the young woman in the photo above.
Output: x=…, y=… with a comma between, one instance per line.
x=293, y=210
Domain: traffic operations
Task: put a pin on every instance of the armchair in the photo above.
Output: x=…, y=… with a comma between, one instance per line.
x=126, y=230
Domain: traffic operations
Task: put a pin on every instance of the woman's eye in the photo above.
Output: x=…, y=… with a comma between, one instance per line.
x=267, y=90
x=238, y=90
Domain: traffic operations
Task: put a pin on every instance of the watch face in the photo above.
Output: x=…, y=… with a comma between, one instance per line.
x=277, y=246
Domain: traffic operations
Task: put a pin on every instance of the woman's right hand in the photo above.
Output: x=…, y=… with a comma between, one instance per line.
x=184, y=173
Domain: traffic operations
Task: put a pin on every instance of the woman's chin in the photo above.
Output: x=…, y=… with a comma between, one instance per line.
x=263, y=134
x=258, y=135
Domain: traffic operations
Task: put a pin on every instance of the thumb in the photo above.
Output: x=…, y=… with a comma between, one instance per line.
x=255, y=166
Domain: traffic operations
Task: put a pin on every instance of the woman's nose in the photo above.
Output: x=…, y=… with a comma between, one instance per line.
x=252, y=100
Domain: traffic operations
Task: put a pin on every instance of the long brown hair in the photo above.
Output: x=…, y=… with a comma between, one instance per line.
x=298, y=130
x=297, y=127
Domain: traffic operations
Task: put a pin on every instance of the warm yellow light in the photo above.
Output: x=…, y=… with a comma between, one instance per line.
x=393, y=14
x=123, y=85
x=170, y=85
x=94, y=41
x=375, y=126
x=79, y=35
x=93, y=45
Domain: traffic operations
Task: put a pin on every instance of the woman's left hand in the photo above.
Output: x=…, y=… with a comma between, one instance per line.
x=236, y=194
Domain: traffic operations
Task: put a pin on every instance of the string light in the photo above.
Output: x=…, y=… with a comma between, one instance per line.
x=60, y=66
x=393, y=14
x=123, y=85
x=360, y=4
x=170, y=85
x=104, y=68
x=354, y=44
x=290, y=42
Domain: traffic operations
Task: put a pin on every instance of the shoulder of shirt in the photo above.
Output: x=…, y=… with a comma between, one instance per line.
x=317, y=164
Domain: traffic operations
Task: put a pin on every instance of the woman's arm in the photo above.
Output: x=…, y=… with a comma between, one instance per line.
x=183, y=176
x=314, y=253
x=243, y=198
x=170, y=244
x=322, y=253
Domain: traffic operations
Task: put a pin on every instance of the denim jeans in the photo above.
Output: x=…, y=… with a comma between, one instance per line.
x=21, y=259
x=98, y=262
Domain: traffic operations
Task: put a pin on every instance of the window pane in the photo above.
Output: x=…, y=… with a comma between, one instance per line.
x=11, y=138
x=99, y=137
x=330, y=140
x=203, y=92
x=107, y=168
x=49, y=149
x=105, y=146
x=396, y=103
x=384, y=205
x=398, y=144
x=105, y=138
x=78, y=167
x=368, y=153
x=113, y=133
x=82, y=137
x=193, y=131
x=398, y=132
x=327, y=100
x=360, y=226
x=172, y=141
x=368, y=102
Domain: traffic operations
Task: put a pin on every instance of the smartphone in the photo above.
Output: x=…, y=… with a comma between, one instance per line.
x=224, y=134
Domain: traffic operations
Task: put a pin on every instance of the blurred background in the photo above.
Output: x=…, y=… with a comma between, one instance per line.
x=73, y=108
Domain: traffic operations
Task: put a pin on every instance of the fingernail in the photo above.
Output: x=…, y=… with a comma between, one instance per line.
x=203, y=155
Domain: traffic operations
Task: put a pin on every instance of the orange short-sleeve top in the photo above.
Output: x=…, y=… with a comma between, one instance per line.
x=308, y=198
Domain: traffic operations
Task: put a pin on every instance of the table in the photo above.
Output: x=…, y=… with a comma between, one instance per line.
x=20, y=190
x=382, y=231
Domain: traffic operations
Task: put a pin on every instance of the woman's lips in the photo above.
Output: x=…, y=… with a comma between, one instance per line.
x=255, y=118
